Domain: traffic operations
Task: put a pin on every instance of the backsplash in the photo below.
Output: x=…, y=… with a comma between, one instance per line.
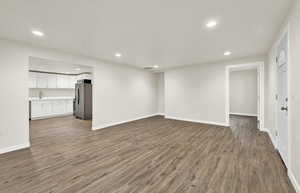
x=35, y=92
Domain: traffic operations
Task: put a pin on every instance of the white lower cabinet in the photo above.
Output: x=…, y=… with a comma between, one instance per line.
x=36, y=109
x=69, y=106
x=59, y=107
x=46, y=108
x=50, y=108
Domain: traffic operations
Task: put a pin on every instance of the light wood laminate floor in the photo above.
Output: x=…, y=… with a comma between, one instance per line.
x=153, y=155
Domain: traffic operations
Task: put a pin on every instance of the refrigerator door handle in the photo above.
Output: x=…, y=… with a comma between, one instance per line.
x=78, y=92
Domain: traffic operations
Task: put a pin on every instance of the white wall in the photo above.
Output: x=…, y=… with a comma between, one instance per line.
x=271, y=91
x=121, y=93
x=243, y=92
x=198, y=92
x=161, y=93
x=293, y=22
x=14, y=132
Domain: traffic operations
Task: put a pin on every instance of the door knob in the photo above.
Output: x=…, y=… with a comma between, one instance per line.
x=284, y=108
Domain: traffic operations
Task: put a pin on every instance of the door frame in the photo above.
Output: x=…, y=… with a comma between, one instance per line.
x=66, y=60
x=286, y=31
x=260, y=72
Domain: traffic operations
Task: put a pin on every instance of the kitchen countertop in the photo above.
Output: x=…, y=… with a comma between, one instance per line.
x=50, y=98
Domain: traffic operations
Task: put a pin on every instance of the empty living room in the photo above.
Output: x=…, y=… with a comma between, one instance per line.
x=148, y=96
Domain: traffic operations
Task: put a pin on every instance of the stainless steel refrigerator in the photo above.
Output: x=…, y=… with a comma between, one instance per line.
x=83, y=100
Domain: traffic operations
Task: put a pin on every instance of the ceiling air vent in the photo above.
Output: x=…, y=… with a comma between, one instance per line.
x=148, y=68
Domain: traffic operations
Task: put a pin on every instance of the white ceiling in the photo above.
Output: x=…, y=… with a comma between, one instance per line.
x=167, y=33
x=45, y=65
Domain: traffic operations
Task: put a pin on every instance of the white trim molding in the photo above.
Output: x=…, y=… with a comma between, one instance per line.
x=294, y=181
x=258, y=65
x=245, y=114
x=14, y=148
x=271, y=136
x=198, y=121
x=103, y=126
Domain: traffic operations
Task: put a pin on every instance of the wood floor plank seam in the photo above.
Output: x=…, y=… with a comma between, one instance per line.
x=152, y=155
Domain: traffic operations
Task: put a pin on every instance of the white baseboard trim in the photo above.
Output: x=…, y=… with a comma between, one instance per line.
x=271, y=136
x=198, y=121
x=51, y=116
x=265, y=130
x=290, y=173
x=14, y=148
x=294, y=181
x=121, y=122
x=244, y=114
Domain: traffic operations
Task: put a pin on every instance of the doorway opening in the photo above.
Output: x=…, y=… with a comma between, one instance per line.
x=60, y=97
x=245, y=91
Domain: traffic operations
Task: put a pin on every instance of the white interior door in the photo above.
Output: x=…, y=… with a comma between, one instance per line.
x=258, y=98
x=282, y=60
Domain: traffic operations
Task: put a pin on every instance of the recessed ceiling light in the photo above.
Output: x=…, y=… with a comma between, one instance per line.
x=211, y=24
x=227, y=53
x=118, y=55
x=155, y=66
x=77, y=69
x=37, y=33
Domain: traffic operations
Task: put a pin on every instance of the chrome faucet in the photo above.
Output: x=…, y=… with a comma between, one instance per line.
x=40, y=94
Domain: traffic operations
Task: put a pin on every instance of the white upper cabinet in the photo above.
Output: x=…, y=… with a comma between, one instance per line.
x=80, y=77
x=62, y=81
x=42, y=80
x=32, y=80
x=72, y=81
x=52, y=81
x=85, y=76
